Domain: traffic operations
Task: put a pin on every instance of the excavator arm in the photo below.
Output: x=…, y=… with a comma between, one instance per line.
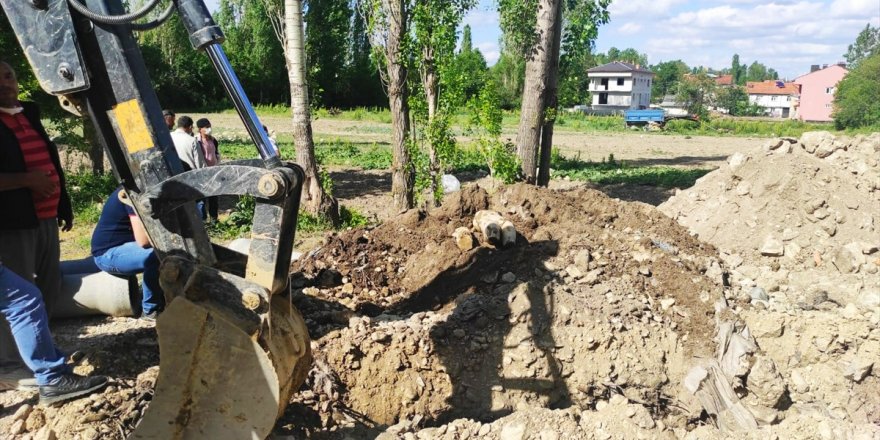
x=232, y=346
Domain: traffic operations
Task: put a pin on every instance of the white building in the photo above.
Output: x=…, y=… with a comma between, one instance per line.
x=620, y=86
x=778, y=98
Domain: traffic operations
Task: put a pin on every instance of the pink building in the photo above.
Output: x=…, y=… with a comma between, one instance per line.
x=817, y=92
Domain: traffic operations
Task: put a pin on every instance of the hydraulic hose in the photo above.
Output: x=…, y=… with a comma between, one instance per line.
x=155, y=23
x=112, y=19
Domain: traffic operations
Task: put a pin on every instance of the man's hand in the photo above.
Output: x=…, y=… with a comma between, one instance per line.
x=66, y=224
x=41, y=183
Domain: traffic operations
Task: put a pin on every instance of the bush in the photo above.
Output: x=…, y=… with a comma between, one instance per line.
x=87, y=194
x=857, y=100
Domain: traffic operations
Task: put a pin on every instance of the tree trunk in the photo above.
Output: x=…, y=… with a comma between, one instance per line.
x=551, y=101
x=315, y=200
x=96, y=149
x=533, y=101
x=402, y=173
x=430, y=84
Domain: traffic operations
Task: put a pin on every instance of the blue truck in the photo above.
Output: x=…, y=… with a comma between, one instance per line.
x=640, y=118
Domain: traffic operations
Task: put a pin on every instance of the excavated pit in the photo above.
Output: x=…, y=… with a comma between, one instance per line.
x=596, y=298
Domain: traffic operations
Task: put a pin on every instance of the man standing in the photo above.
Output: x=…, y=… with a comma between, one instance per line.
x=168, y=115
x=34, y=199
x=187, y=148
x=209, y=146
x=20, y=303
x=120, y=246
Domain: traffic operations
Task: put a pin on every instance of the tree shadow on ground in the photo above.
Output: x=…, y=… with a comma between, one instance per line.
x=488, y=312
x=650, y=194
x=680, y=161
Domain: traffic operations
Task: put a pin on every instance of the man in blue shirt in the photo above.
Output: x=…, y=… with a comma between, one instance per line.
x=120, y=246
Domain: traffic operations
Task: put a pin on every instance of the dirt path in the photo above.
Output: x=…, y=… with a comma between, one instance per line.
x=638, y=148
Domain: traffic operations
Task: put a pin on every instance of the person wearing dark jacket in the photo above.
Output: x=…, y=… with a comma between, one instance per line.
x=33, y=197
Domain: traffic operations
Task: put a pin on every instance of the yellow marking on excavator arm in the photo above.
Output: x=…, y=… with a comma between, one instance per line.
x=132, y=126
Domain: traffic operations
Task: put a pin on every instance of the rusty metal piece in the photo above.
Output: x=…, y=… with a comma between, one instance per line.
x=271, y=185
x=251, y=299
x=170, y=271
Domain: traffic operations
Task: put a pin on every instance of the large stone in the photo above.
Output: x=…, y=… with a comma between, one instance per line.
x=869, y=298
x=464, y=239
x=849, y=258
x=513, y=431
x=582, y=260
x=772, y=247
x=765, y=382
x=812, y=140
x=826, y=149
x=857, y=368
x=737, y=160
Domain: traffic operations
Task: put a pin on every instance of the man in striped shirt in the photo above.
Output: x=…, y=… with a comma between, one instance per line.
x=33, y=199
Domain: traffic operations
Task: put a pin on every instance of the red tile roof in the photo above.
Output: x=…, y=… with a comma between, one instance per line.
x=724, y=80
x=772, y=87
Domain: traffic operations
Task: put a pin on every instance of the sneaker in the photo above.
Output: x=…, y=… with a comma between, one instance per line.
x=70, y=386
x=150, y=317
x=19, y=379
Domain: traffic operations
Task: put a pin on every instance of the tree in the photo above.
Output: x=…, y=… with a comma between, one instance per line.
x=328, y=24
x=541, y=44
x=666, y=77
x=508, y=74
x=468, y=68
x=253, y=49
x=181, y=76
x=695, y=92
x=737, y=71
x=628, y=55
x=866, y=45
x=756, y=72
x=387, y=27
x=365, y=85
x=857, y=99
x=733, y=99
x=315, y=198
x=435, y=23
x=534, y=101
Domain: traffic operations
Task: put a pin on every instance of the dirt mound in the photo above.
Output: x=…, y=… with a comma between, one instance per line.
x=596, y=298
x=799, y=215
x=795, y=220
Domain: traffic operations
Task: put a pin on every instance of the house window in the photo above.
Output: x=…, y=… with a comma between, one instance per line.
x=620, y=81
x=829, y=90
x=827, y=105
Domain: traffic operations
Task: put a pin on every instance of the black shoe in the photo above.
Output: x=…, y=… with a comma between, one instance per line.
x=70, y=386
x=150, y=317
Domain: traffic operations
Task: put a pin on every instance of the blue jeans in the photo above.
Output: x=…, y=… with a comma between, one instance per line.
x=131, y=259
x=22, y=305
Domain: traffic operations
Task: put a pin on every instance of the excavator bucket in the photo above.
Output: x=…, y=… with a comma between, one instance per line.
x=220, y=376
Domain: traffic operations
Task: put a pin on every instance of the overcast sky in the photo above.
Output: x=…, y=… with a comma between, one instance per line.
x=788, y=36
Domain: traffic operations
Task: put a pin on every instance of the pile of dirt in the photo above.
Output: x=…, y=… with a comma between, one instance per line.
x=795, y=221
x=597, y=298
x=593, y=322
x=798, y=215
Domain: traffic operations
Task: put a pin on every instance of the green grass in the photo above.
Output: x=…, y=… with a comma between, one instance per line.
x=746, y=127
x=610, y=172
x=87, y=193
x=368, y=156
